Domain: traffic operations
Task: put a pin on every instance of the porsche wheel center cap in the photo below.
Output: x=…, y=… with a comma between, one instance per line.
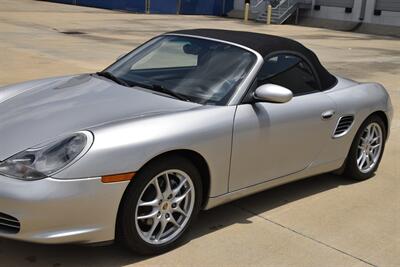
x=165, y=206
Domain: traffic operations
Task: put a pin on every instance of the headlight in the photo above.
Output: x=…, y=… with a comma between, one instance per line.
x=46, y=159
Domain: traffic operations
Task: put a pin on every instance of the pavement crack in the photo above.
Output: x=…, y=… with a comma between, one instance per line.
x=304, y=235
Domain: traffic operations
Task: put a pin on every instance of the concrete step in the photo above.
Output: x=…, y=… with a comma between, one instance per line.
x=272, y=15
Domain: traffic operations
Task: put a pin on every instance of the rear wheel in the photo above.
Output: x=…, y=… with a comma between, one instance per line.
x=159, y=205
x=367, y=149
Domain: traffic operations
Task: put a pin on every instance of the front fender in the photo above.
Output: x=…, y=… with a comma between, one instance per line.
x=126, y=146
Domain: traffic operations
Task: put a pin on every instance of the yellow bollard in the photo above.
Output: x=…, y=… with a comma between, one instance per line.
x=269, y=14
x=246, y=12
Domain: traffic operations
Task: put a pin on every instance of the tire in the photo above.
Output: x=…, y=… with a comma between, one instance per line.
x=131, y=230
x=353, y=168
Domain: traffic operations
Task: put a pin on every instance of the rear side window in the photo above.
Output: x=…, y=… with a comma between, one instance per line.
x=288, y=71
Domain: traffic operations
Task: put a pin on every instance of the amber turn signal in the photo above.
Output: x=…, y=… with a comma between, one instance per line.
x=117, y=177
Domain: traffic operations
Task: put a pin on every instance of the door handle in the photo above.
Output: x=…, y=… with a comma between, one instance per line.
x=327, y=114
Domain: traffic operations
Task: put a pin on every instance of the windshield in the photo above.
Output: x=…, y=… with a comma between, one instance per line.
x=194, y=69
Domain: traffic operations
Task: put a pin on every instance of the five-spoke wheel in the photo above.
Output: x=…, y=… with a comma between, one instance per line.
x=367, y=149
x=165, y=206
x=159, y=205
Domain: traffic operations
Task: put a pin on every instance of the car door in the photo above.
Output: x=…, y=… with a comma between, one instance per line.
x=271, y=140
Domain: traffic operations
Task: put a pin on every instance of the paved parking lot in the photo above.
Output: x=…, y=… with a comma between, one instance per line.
x=320, y=221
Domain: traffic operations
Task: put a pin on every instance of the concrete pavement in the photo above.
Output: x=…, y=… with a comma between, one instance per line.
x=320, y=221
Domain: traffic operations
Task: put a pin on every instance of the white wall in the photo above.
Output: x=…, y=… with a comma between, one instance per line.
x=338, y=13
x=386, y=18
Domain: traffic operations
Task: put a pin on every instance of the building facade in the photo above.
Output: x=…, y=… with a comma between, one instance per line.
x=376, y=16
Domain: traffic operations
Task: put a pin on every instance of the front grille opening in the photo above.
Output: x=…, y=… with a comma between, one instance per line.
x=9, y=224
x=343, y=125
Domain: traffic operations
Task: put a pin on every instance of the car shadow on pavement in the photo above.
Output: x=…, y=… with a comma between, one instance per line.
x=16, y=253
x=243, y=209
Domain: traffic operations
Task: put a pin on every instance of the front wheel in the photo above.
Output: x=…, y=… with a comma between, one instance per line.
x=367, y=149
x=159, y=205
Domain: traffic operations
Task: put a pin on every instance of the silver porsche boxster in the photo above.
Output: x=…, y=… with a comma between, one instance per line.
x=187, y=121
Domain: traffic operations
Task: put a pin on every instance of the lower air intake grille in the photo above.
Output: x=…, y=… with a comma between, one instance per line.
x=9, y=224
x=343, y=125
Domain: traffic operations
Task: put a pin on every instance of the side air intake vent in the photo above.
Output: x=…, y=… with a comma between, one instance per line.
x=9, y=224
x=343, y=125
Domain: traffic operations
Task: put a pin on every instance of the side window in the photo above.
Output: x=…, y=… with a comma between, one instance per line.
x=288, y=71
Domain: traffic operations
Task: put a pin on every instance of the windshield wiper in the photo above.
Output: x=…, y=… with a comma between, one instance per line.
x=164, y=90
x=112, y=77
x=154, y=87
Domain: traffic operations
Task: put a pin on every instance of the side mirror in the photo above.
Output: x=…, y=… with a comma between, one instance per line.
x=121, y=56
x=273, y=93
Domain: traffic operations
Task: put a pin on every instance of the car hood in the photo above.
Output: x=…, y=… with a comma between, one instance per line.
x=38, y=111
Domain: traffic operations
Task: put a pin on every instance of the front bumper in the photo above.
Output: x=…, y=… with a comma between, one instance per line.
x=57, y=211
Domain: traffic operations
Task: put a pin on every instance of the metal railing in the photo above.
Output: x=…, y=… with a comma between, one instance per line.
x=284, y=8
x=281, y=10
x=258, y=4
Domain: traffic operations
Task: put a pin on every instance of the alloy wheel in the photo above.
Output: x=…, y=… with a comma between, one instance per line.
x=164, y=207
x=370, y=147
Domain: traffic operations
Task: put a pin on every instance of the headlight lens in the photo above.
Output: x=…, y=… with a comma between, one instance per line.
x=46, y=159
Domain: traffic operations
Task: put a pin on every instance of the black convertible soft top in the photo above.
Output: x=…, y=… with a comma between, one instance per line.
x=265, y=45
